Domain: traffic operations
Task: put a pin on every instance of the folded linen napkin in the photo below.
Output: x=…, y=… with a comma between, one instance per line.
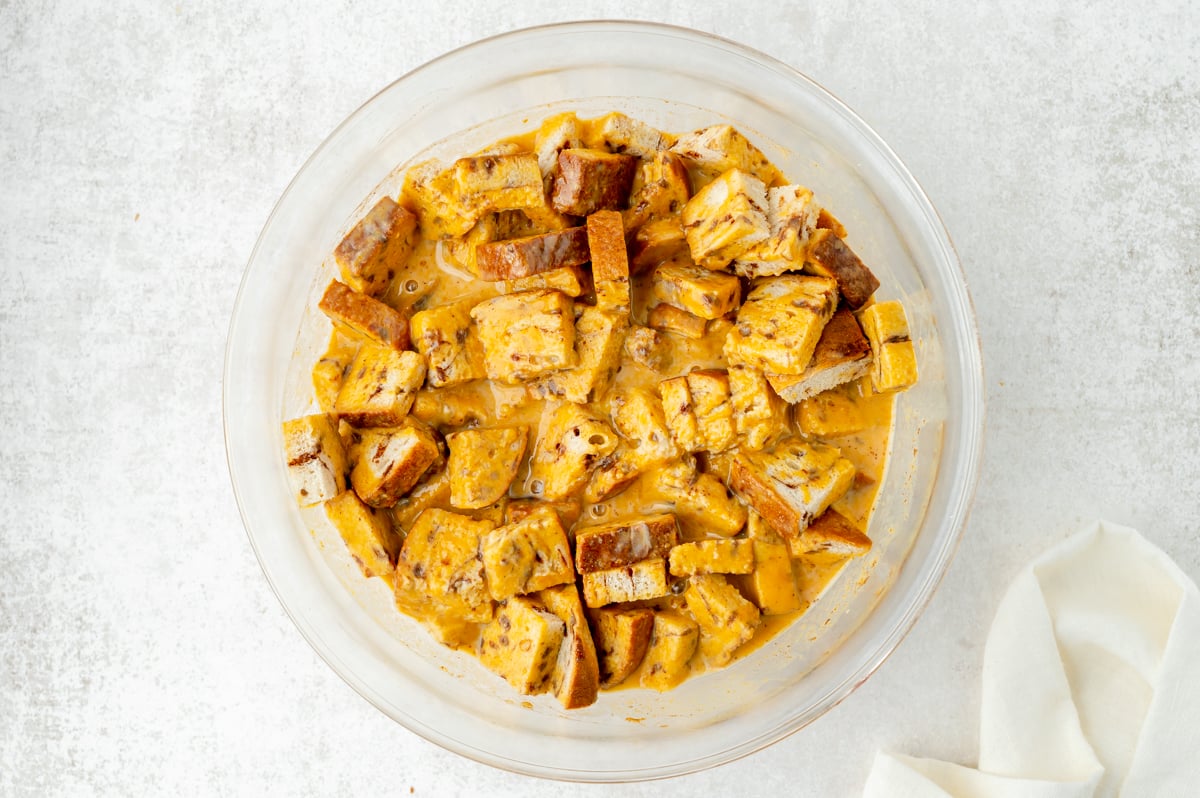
x=1091, y=683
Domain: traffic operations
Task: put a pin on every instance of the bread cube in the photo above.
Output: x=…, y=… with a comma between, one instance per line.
x=726, y=218
x=698, y=411
x=669, y=318
x=377, y=247
x=449, y=342
x=646, y=579
x=574, y=441
x=316, y=459
x=727, y=621
x=660, y=190
x=483, y=463
x=498, y=182
x=514, y=258
x=701, y=501
x=638, y=416
x=680, y=417
x=645, y=346
x=432, y=192
x=368, y=533
x=389, y=461
x=620, y=133
x=432, y=491
x=527, y=556
x=570, y=280
x=327, y=380
x=829, y=538
x=599, y=336
x=555, y=134
x=378, y=389
x=780, y=323
x=792, y=484
x=884, y=323
x=439, y=569
x=673, y=642
x=576, y=679
x=828, y=256
x=759, y=415
x=723, y=556
x=534, y=220
x=895, y=367
x=829, y=415
x=842, y=354
x=886, y=327
x=622, y=637
x=462, y=251
x=568, y=510
x=613, y=474
x=461, y=405
x=792, y=216
x=498, y=226
x=713, y=408
x=624, y=542
x=521, y=644
x=610, y=263
x=771, y=585
x=592, y=180
x=328, y=372
x=719, y=148
x=495, y=512
x=525, y=335
x=368, y=317
x=655, y=242
x=701, y=292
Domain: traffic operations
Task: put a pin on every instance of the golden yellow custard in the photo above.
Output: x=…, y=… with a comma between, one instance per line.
x=603, y=405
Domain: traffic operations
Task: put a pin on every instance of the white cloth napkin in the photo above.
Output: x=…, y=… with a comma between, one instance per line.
x=1091, y=683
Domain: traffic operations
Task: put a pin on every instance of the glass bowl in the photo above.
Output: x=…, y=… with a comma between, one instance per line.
x=677, y=80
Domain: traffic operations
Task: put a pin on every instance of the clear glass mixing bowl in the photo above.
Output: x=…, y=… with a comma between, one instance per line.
x=677, y=80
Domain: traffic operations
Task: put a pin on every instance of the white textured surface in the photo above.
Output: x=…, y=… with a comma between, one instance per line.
x=141, y=149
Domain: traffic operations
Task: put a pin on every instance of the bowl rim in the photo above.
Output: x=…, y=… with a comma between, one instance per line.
x=970, y=368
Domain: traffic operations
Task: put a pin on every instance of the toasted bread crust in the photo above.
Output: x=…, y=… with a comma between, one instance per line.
x=625, y=542
x=592, y=180
x=828, y=255
x=827, y=221
x=622, y=637
x=576, y=681
x=841, y=340
x=832, y=533
x=606, y=243
x=522, y=257
x=756, y=491
x=376, y=248
x=610, y=260
x=365, y=315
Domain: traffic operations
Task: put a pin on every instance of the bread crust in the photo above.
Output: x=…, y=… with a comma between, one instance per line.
x=365, y=315
x=829, y=256
x=522, y=257
x=757, y=492
x=622, y=543
x=592, y=180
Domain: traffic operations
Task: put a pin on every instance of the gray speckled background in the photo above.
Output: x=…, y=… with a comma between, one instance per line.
x=141, y=149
